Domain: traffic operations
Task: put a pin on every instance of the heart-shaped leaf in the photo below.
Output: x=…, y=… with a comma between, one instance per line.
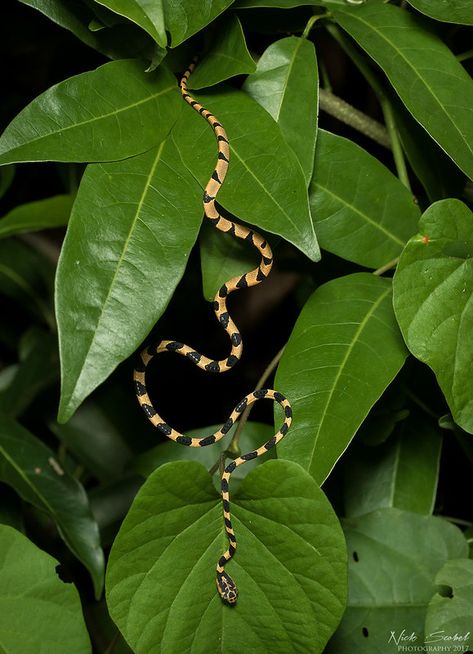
x=449, y=615
x=450, y=11
x=39, y=611
x=343, y=352
x=265, y=184
x=228, y=56
x=433, y=85
x=110, y=113
x=394, y=557
x=286, y=85
x=32, y=470
x=132, y=227
x=362, y=211
x=433, y=289
x=289, y=566
x=33, y=216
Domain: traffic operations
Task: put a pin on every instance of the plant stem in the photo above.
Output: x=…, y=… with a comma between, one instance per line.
x=422, y=405
x=457, y=521
x=233, y=449
x=387, y=266
x=311, y=22
x=465, y=55
x=383, y=100
x=346, y=113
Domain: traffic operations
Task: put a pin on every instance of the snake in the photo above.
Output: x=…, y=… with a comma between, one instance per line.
x=226, y=587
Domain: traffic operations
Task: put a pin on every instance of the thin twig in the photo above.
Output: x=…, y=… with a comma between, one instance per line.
x=387, y=266
x=465, y=55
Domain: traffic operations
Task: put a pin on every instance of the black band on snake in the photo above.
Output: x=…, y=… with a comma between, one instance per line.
x=226, y=586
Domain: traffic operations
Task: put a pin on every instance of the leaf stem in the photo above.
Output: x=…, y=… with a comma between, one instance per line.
x=233, y=449
x=311, y=22
x=346, y=113
x=457, y=521
x=387, y=266
x=383, y=100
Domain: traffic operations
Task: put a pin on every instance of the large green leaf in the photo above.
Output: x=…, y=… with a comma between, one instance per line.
x=265, y=184
x=362, y=211
x=33, y=216
x=253, y=436
x=286, y=85
x=433, y=291
x=228, y=56
x=32, y=470
x=433, y=85
x=289, y=566
x=402, y=473
x=110, y=113
x=132, y=227
x=222, y=256
x=394, y=557
x=450, y=11
x=181, y=18
x=343, y=352
x=40, y=613
x=451, y=614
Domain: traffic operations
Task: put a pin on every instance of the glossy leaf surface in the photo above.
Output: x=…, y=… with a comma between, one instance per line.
x=132, y=227
x=290, y=564
x=32, y=470
x=343, y=352
x=110, y=113
x=433, y=85
x=286, y=85
x=450, y=11
x=362, y=212
x=265, y=185
x=228, y=56
x=33, y=216
x=433, y=289
x=394, y=557
x=39, y=611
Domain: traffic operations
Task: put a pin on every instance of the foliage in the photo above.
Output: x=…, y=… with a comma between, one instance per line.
x=351, y=132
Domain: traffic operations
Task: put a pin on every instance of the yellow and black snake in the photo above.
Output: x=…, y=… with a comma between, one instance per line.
x=225, y=584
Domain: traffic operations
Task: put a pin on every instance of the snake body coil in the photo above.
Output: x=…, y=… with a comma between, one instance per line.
x=225, y=584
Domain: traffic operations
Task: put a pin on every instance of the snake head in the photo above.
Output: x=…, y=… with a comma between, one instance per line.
x=227, y=588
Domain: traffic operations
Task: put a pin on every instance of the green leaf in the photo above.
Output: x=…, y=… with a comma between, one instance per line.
x=95, y=442
x=394, y=557
x=228, y=56
x=26, y=275
x=450, y=614
x=32, y=470
x=117, y=38
x=343, y=352
x=37, y=370
x=110, y=113
x=265, y=184
x=362, y=211
x=253, y=436
x=181, y=18
x=402, y=473
x=289, y=566
x=132, y=227
x=33, y=216
x=429, y=80
x=146, y=14
x=7, y=175
x=450, y=11
x=39, y=611
x=433, y=288
x=222, y=256
x=286, y=85
x=288, y=4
